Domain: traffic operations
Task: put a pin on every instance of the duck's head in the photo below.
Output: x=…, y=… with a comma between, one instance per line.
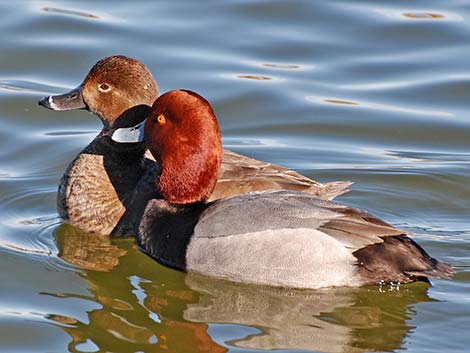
x=114, y=86
x=183, y=135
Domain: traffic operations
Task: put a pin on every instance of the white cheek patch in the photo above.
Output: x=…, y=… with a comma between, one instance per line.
x=131, y=134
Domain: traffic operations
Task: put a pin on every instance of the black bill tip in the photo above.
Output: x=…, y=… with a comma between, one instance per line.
x=46, y=102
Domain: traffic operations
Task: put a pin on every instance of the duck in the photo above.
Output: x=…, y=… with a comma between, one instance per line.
x=283, y=238
x=106, y=187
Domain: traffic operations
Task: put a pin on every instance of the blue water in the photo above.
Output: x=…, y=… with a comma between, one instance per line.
x=367, y=91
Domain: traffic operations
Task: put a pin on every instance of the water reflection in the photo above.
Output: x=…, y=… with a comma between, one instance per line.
x=380, y=106
x=281, y=66
x=145, y=306
x=142, y=303
x=87, y=251
x=70, y=12
x=400, y=14
x=423, y=15
x=338, y=101
x=333, y=320
x=255, y=77
x=277, y=65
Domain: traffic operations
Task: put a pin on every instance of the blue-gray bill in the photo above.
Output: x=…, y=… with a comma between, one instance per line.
x=68, y=101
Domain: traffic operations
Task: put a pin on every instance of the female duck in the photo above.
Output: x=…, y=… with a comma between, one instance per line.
x=107, y=186
x=275, y=237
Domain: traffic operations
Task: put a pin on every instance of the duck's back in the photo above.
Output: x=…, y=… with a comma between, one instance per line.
x=240, y=174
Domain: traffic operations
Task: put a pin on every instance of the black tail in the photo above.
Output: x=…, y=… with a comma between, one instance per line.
x=399, y=259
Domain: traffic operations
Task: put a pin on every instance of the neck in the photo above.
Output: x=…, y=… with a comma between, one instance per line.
x=163, y=221
x=190, y=175
x=104, y=145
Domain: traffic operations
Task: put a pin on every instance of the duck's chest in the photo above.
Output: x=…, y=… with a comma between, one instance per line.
x=91, y=195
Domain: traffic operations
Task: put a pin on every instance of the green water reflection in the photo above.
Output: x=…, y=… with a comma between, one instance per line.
x=148, y=307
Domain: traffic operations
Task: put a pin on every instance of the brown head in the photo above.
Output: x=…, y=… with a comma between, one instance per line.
x=114, y=85
x=184, y=137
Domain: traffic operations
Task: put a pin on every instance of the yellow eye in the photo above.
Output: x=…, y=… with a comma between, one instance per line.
x=161, y=119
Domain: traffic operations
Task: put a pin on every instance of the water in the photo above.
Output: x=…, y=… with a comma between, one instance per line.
x=373, y=92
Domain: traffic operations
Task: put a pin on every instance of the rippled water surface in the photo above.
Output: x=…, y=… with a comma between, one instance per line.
x=376, y=92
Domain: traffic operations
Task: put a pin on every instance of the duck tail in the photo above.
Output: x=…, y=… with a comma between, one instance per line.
x=439, y=270
x=399, y=259
x=335, y=188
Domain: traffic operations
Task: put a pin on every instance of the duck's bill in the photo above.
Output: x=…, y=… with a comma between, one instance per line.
x=129, y=134
x=68, y=101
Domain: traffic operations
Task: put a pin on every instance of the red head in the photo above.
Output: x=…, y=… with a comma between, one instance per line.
x=183, y=135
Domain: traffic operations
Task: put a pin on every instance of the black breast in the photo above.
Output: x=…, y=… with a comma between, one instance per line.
x=165, y=231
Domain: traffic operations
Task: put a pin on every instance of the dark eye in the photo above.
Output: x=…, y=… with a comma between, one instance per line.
x=104, y=87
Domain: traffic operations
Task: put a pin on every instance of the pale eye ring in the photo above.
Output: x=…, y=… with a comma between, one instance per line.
x=104, y=87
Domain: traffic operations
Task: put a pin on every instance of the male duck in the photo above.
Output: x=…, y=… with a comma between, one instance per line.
x=107, y=186
x=275, y=237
